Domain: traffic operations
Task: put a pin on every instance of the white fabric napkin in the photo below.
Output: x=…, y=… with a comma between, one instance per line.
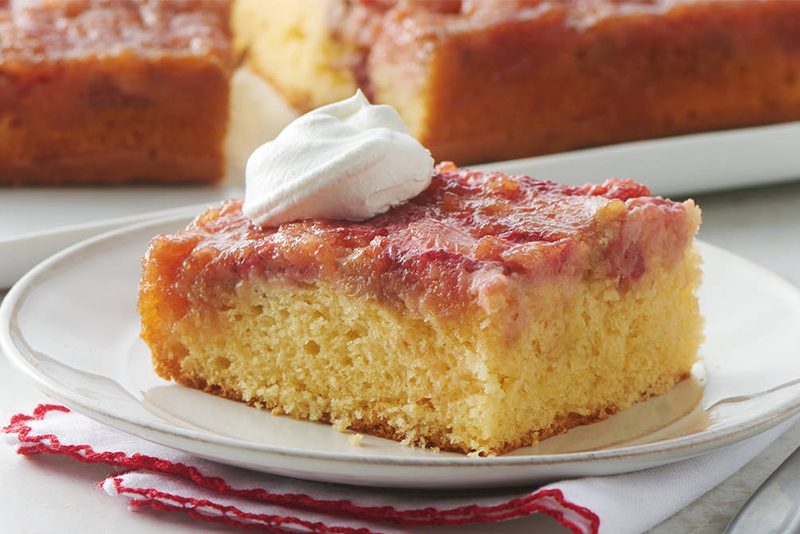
x=150, y=475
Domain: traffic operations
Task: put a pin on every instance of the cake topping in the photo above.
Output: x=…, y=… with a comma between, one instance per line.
x=348, y=160
x=469, y=235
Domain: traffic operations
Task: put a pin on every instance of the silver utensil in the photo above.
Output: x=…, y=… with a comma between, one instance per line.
x=775, y=506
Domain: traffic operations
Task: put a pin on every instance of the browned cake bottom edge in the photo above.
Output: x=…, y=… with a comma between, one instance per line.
x=382, y=429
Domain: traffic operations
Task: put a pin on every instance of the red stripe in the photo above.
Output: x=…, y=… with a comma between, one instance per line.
x=152, y=497
x=427, y=516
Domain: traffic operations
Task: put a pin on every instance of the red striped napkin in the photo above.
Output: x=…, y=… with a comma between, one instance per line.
x=150, y=475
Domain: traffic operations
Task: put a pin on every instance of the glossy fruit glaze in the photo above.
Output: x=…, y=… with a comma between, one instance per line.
x=468, y=235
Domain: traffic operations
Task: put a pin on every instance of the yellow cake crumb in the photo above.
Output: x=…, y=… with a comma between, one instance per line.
x=340, y=425
x=496, y=346
x=474, y=390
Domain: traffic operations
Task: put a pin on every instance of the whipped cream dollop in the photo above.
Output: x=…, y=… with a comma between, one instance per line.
x=347, y=160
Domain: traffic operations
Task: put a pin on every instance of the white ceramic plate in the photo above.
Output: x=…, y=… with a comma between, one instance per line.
x=677, y=166
x=72, y=325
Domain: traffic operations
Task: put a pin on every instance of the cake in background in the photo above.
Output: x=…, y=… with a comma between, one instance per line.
x=113, y=91
x=488, y=80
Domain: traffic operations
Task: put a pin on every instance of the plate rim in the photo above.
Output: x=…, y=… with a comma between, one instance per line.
x=670, y=141
x=124, y=221
x=680, y=448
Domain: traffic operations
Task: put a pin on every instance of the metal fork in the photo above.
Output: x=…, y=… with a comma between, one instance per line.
x=775, y=506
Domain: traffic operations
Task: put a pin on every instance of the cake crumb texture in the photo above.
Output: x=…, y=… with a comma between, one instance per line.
x=486, y=314
x=311, y=352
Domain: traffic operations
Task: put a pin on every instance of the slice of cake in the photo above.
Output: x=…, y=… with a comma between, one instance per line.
x=488, y=80
x=485, y=314
x=113, y=91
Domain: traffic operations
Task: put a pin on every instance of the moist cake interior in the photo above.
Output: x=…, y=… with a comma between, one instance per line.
x=486, y=314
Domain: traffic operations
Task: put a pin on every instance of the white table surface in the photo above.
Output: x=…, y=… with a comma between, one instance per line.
x=48, y=494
